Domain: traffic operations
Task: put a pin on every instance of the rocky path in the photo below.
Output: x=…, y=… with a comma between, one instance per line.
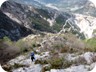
x=29, y=65
x=32, y=67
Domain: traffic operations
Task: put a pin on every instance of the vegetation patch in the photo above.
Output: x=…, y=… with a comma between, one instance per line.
x=59, y=63
x=91, y=45
x=41, y=61
x=16, y=65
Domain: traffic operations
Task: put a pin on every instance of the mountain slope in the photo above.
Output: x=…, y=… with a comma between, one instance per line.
x=35, y=19
x=11, y=28
x=41, y=20
x=86, y=7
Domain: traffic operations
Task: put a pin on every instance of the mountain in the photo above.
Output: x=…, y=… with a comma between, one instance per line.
x=86, y=7
x=29, y=2
x=54, y=36
x=34, y=19
x=39, y=20
x=12, y=29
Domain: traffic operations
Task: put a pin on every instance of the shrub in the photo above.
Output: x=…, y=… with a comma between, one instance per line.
x=46, y=68
x=16, y=65
x=91, y=42
x=56, y=63
x=91, y=45
x=64, y=49
x=7, y=50
x=35, y=45
x=7, y=40
x=80, y=60
x=67, y=64
x=91, y=49
x=59, y=63
x=23, y=46
x=40, y=61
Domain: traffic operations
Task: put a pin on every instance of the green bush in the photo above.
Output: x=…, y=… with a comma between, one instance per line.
x=92, y=42
x=56, y=63
x=7, y=40
x=16, y=65
x=60, y=19
x=91, y=45
x=57, y=27
x=40, y=61
x=59, y=63
x=23, y=46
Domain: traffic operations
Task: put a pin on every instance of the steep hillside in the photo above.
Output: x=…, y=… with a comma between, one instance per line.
x=88, y=8
x=12, y=29
x=35, y=19
x=41, y=20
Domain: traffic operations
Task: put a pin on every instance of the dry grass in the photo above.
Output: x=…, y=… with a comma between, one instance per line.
x=41, y=61
x=7, y=51
x=15, y=66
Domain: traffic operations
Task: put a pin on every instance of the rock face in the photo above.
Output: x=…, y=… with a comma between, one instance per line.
x=11, y=28
x=82, y=25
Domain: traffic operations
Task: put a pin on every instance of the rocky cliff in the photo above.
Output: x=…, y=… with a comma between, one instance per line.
x=12, y=29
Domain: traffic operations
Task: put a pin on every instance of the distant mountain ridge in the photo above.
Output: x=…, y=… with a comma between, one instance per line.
x=86, y=7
